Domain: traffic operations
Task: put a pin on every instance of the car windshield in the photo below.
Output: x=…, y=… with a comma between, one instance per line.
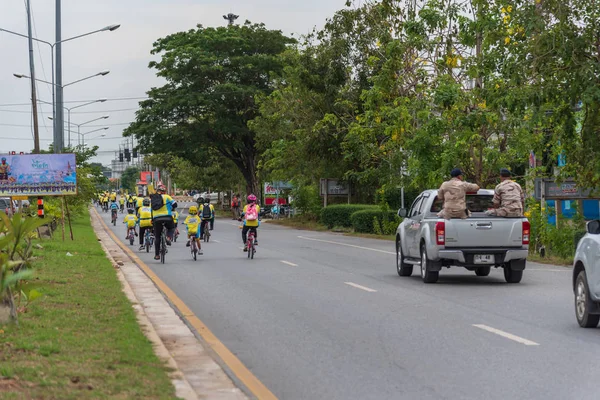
x=475, y=203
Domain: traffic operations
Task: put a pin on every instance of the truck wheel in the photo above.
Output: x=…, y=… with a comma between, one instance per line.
x=512, y=275
x=483, y=271
x=583, y=303
x=402, y=268
x=427, y=275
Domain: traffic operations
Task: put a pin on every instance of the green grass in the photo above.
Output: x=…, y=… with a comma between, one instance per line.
x=552, y=260
x=81, y=339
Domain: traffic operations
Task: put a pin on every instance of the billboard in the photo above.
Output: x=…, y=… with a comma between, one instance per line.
x=38, y=175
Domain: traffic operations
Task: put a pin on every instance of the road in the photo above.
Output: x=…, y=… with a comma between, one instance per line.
x=323, y=316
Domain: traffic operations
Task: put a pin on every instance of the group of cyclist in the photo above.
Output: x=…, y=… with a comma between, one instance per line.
x=158, y=212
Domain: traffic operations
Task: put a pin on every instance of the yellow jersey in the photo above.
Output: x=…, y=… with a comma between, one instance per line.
x=145, y=214
x=175, y=215
x=201, y=212
x=139, y=202
x=255, y=222
x=165, y=210
x=130, y=220
x=192, y=222
x=122, y=200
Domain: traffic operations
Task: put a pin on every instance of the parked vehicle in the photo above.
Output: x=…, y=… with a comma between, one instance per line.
x=477, y=243
x=586, y=277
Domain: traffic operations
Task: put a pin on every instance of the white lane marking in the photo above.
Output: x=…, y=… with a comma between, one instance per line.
x=507, y=335
x=217, y=241
x=346, y=244
x=366, y=289
x=289, y=263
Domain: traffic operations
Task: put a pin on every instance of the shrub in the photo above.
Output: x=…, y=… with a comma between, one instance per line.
x=339, y=215
x=306, y=199
x=375, y=221
x=392, y=195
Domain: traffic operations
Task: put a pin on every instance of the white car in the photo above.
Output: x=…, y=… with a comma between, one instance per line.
x=214, y=197
x=586, y=277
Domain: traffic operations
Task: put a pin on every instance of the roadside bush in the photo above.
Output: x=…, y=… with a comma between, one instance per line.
x=392, y=195
x=339, y=215
x=306, y=199
x=375, y=221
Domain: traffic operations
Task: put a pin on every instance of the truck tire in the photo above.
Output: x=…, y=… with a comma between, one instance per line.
x=583, y=303
x=483, y=271
x=512, y=275
x=427, y=275
x=402, y=268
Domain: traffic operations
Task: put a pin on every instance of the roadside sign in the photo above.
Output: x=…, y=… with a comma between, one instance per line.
x=20, y=198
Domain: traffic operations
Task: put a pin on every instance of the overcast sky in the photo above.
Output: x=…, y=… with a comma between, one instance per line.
x=125, y=52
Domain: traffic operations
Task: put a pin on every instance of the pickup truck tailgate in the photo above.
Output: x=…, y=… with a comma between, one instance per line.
x=484, y=232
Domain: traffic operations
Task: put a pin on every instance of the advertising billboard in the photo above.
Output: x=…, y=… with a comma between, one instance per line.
x=38, y=175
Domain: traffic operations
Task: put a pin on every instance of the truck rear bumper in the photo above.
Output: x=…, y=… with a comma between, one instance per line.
x=465, y=257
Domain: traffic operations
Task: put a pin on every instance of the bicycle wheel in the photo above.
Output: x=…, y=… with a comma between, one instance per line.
x=253, y=251
x=147, y=246
x=207, y=236
x=131, y=240
x=163, y=247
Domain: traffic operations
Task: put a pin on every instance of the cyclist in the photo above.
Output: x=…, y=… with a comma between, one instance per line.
x=129, y=201
x=207, y=214
x=113, y=211
x=113, y=197
x=122, y=203
x=105, y=202
x=144, y=215
x=131, y=221
x=191, y=223
x=162, y=205
x=175, y=215
x=250, y=216
x=139, y=202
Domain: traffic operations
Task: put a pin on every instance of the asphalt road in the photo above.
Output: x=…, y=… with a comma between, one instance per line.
x=324, y=316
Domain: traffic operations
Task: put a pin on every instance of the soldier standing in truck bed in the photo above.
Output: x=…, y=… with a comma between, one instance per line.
x=509, y=200
x=454, y=194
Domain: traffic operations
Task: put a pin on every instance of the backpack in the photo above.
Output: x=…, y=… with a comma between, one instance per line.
x=206, y=212
x=251, y=213
x=156, y=201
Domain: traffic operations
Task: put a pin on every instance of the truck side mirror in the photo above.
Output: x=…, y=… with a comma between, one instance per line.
x=402, y=213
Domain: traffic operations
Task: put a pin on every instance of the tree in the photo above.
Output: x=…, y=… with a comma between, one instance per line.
x=129, y=178
x=213, y=76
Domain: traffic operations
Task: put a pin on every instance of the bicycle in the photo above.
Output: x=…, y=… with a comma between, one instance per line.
x=114, y=217
x=250, y=244
x=131, y=236
x=176, y=235
x=148, y=240
x=163, y=245
x=206, y=231
x=194, y=247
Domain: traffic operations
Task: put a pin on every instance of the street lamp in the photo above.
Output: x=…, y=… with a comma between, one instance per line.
x=79, y=135
x=95, y=130
x=72, y=108
x=102, y=73
x=58, y=136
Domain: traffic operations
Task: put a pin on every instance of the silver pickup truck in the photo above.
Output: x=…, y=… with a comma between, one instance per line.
x=477, y=243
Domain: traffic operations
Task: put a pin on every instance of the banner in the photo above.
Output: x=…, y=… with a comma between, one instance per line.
x=38, y=175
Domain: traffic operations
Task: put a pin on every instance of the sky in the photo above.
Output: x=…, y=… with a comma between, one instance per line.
x=124, y=52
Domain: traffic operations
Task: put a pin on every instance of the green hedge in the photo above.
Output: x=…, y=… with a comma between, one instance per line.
x=375, y=221
x=339, y=215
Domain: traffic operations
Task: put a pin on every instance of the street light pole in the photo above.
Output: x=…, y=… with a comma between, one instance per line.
x=59, y=112
x=36, y=131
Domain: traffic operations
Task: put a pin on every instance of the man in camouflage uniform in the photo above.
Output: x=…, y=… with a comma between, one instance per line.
x=454, y=194
x=509, y=200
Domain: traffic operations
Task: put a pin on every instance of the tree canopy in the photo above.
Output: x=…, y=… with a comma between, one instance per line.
x=213, y=76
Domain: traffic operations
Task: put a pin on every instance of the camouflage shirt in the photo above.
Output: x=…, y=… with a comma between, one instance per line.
x=509, y=199
x=454, y=194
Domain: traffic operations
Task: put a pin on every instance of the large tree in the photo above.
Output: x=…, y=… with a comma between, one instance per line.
x=213, y=76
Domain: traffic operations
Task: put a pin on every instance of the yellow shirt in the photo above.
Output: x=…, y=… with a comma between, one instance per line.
x=145, y=214
x=201, y=211
x=192, y=222
x=113, y=197
x=139, y=202
x=175, y=217
x=165, y=210
x=105, y=199
x=130, y=220
x=255, y=222
x=122, y=200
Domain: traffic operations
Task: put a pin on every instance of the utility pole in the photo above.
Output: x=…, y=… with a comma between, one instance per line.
x=59, y=132
x=231, y=18
x=36, y=132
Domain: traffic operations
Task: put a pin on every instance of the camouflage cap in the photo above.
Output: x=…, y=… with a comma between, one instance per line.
x=456, y=172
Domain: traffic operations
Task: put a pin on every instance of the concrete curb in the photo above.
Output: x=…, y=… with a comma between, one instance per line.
x=195, y=374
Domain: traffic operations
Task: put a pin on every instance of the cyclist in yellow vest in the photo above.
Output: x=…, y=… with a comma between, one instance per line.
x=162, y=218
x=144, y=220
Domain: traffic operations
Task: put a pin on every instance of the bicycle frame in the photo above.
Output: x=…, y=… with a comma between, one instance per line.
x=250, y=245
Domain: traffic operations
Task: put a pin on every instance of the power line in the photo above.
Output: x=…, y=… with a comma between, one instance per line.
x=79, y=101
x=76, y=112
x=87, y=126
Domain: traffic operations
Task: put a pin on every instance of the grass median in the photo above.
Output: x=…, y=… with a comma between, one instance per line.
x=81, y=339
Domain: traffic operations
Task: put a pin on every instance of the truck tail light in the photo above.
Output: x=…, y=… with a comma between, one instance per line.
x=526, y=232
x=440, y=233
